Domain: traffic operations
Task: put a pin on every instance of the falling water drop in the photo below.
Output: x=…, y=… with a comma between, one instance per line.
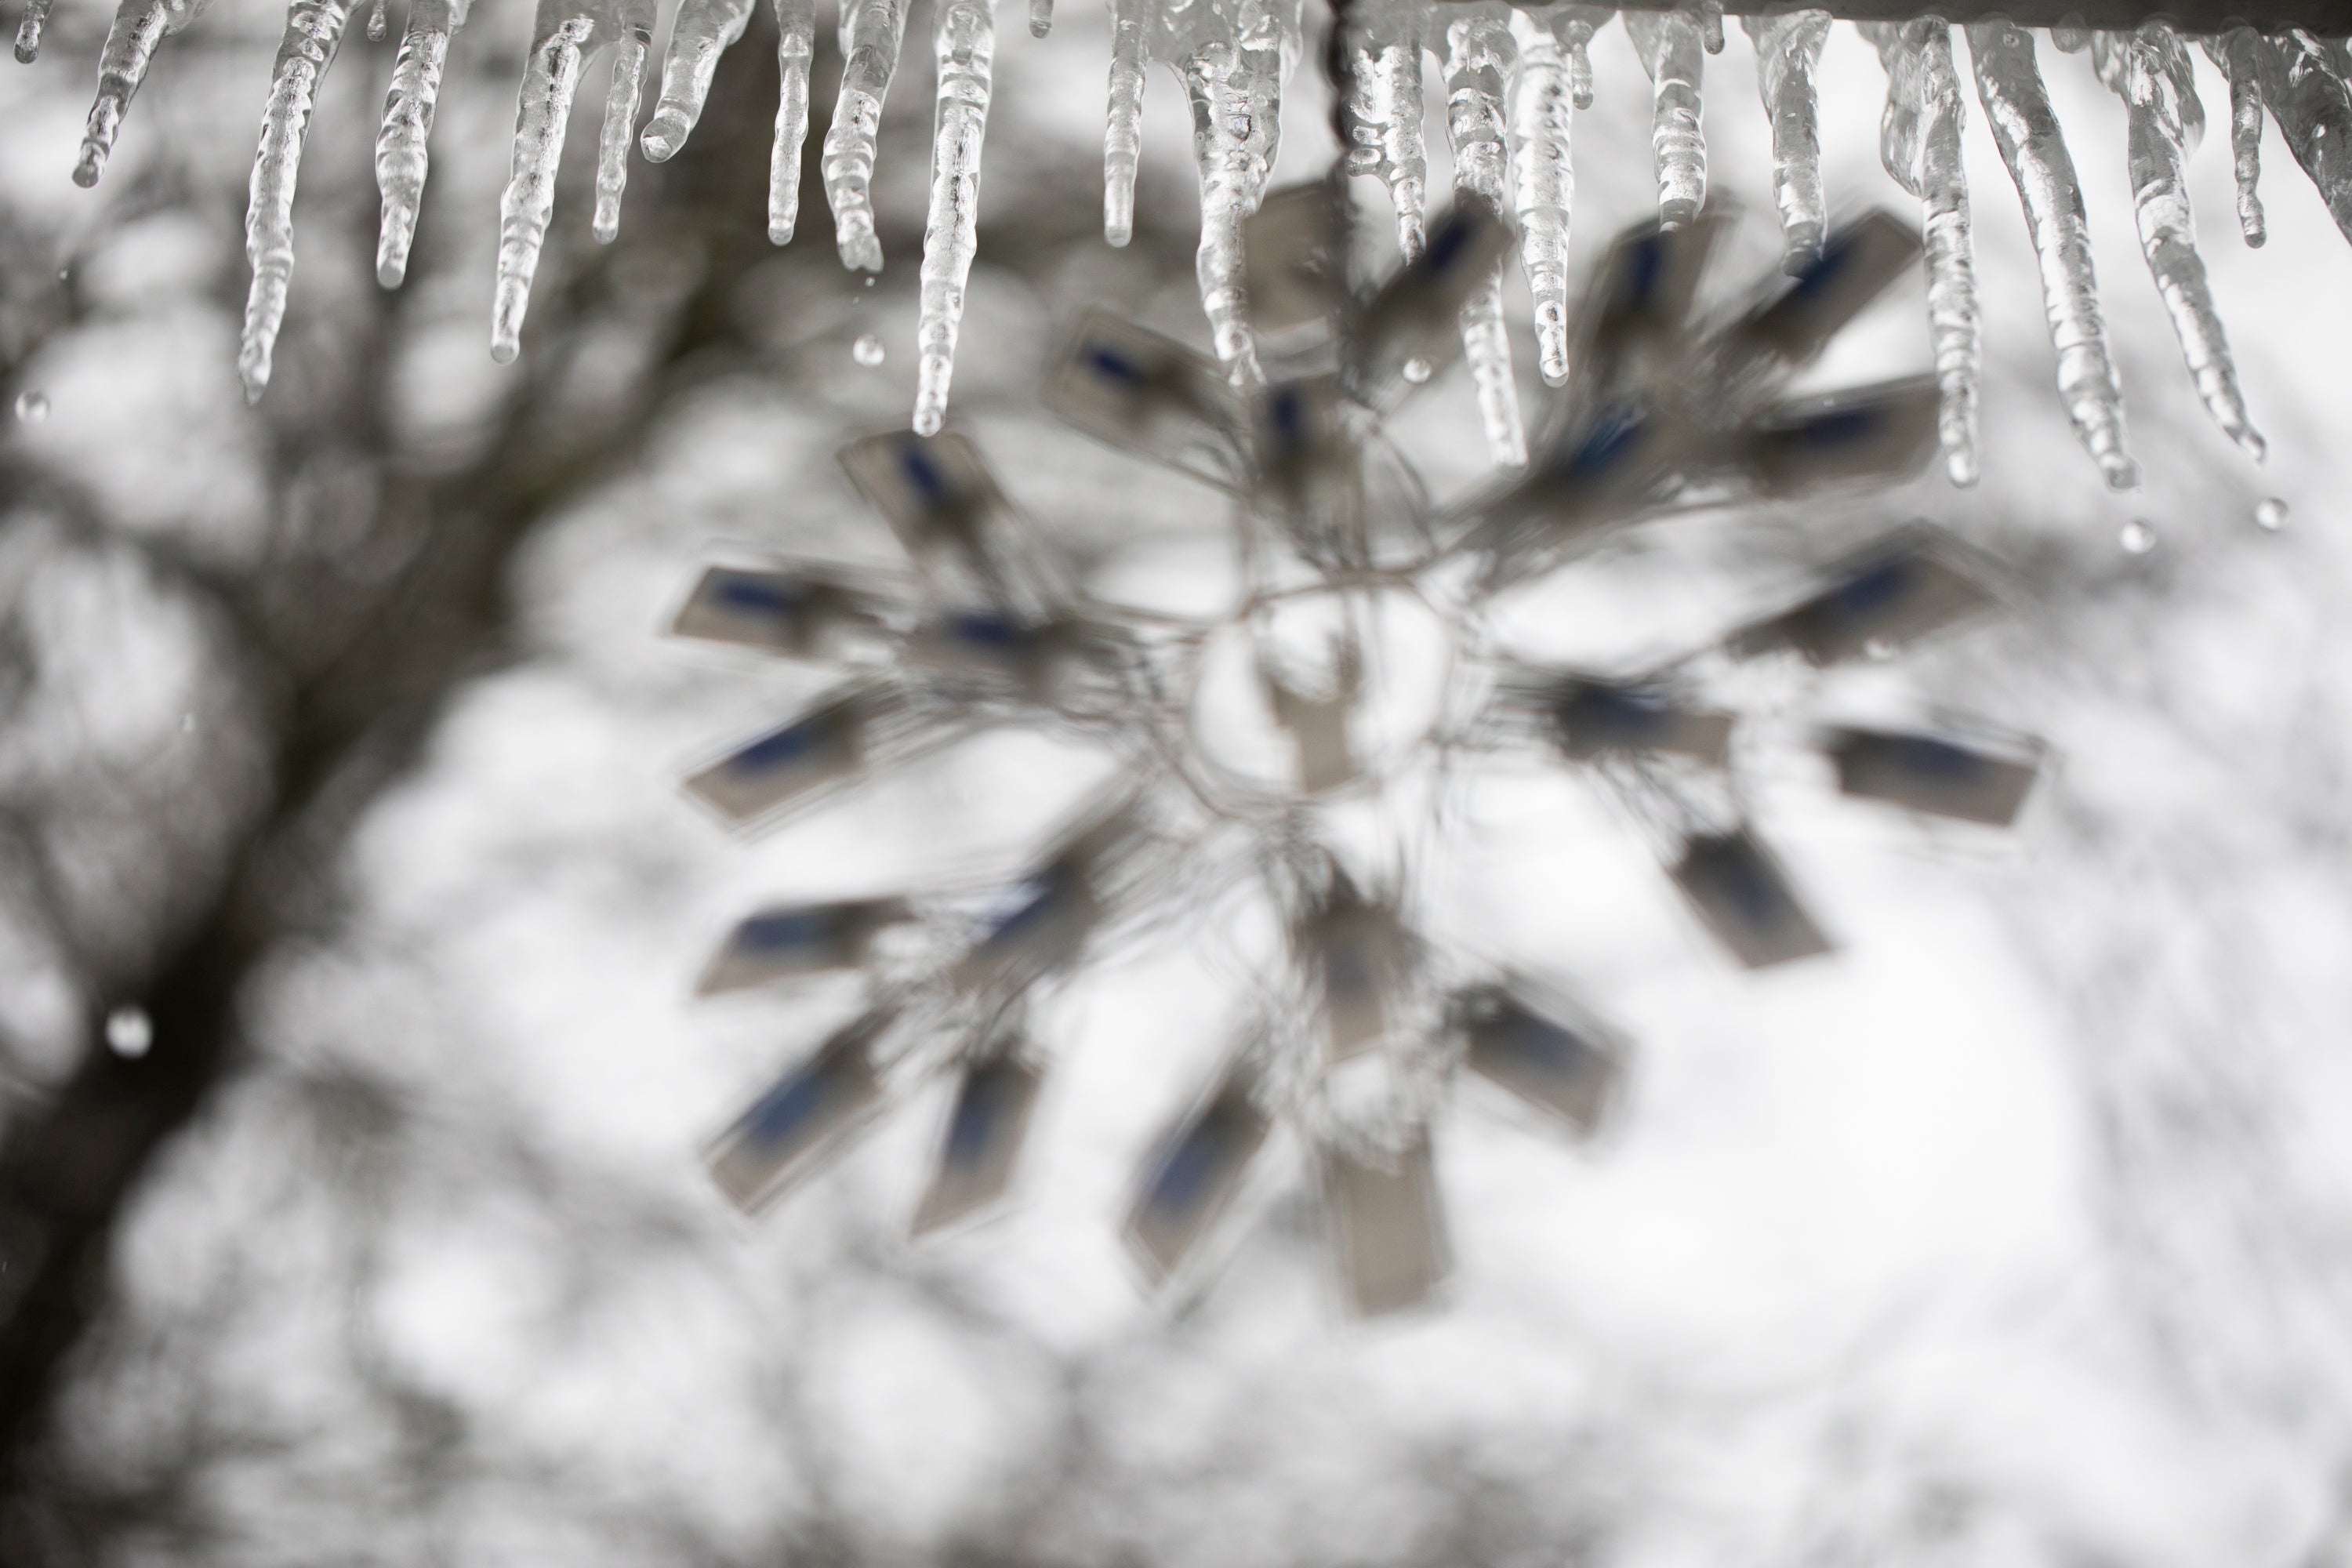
x=2137, y=537
x=129, y=1032
x=1416, y=370
x=2270, y=514
x=32, y=407
x=866, y=350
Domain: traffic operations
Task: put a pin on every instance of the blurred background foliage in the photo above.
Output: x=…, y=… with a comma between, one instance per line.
x=336, y=746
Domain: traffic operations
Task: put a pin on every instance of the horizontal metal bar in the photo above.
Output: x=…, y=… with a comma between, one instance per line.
x=2327, y=18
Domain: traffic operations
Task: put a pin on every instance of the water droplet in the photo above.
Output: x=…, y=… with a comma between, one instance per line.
x=32, y=407
x=2137, y=536
x=869, y=280
x=866, y=350
x=2270, y=514
x=1417, y=371
x=1878, y=648
x=127, y=1032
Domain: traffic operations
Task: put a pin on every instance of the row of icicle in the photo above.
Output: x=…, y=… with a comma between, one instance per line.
x=1512, y=79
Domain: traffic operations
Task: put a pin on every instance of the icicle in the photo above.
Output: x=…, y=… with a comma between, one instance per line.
x=1669, y=44
x=1480, y=56
x=1788, y=52
x=313, y=29
x=1920, y=142
x=1710, y=26
x=28, y=31
x=402, y=147
x=2314, y=110
x=2149, y=70
x=795, y=47
x=1130, y=21
x=1388, y=113
x=871, y=32
x=704, y=30
x=376, y=22
x=1041, y=17
x=564, y=36
x=137, y=27
x=621, y=100
x=2017, y=107
x=1545, y=184
x=965, y=45
x=1577, y=26
x=2236, y=53
x=1235, y=82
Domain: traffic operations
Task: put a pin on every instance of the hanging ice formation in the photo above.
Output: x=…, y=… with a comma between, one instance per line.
x=1354, y=1025
x=2025, y=128
x=2149, y=70
x=1920, y=142
x=1512, y=79
x=1669, y=44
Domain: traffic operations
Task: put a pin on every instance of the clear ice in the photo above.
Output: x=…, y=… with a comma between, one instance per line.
x=621, y=100
x=1480, y=56
x=28, y=31
x=1555, y=77
x=1920, y=142
x=2149, y=70
x=965, y=44
x=704, y=30
x=2025, y=128
x=1131, y=23
x=2313, y=106
x=871, y=32
x=139, y=26
x=1671, y=49
x=1787, y=53
x=402, y=146
x=795, y=48
x=1235, y=54
x=2237, y=53
x=313, y=29
x=563, y=36
x=1385, y=112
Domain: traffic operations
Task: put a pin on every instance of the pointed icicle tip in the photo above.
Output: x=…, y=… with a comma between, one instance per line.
x=1669, y=46
x=871, y=33
x=704, y=30
x=964, y=44
x=795, y=47
x=376, y=22
x=1041, y=17
x=28, y=31
x=542, y=111
x=621, y=101
x=1788, y=53
x=2150, y=71
x=313, y=30
x=1545, y=185
x=1481, y=57
x=402, y=155
x=2025, y=128
x=139, y=26
x=1130, y=21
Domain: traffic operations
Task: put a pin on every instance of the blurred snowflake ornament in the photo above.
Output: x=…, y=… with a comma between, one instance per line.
x=1290, y=756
